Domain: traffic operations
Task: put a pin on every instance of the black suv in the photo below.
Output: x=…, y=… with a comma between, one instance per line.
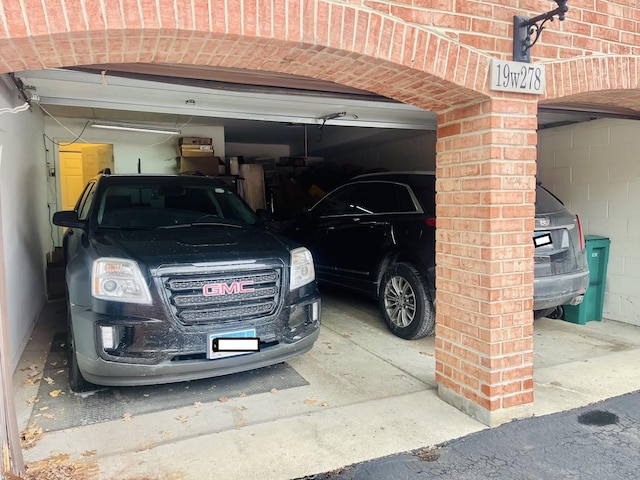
x=376, y=235
x=160, y=268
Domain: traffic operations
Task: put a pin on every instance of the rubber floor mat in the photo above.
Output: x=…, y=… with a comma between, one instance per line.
x=59, y=408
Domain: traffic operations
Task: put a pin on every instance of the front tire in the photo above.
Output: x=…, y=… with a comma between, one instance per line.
x=406, y=303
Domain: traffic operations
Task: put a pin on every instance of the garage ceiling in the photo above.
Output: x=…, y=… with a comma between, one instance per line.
x=253, y=107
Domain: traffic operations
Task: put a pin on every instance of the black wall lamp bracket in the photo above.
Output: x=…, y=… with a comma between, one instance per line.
x=524, y=28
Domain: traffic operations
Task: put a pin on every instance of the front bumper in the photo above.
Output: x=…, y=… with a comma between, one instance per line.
x=161, y=351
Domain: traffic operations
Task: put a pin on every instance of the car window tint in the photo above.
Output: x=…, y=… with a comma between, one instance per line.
x=156, y=205
x=86, y=200
x=546, y=202
x=336, y=202
x=381, y=197
x=424, y=188
x=405, y=202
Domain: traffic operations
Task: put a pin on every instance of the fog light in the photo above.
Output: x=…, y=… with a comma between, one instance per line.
x=108, y=336
x=314, y=312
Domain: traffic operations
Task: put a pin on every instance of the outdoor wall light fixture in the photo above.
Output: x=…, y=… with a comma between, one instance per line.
x=135, y=128
x=524, y=27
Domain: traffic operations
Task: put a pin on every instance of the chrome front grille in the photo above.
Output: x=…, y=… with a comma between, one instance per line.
x=198, y=299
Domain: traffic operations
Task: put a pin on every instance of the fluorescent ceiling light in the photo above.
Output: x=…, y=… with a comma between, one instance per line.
x=136, y=128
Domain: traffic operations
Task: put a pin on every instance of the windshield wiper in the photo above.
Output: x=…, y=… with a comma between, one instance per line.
x=123, y=227
x=202, y=224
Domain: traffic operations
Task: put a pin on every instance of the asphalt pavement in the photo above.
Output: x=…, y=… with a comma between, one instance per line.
x=600, y=441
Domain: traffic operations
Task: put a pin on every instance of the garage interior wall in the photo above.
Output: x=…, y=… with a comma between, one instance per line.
x=157, y=152
x=25, y=226
x=594, y=168
x=418, y=152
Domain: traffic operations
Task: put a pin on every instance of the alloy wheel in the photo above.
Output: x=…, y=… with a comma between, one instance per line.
x=400, y=301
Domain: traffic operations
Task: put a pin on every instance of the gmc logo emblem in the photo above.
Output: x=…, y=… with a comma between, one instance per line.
x=216, y=289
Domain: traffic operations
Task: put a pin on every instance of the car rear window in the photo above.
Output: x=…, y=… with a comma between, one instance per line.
x=547, y=202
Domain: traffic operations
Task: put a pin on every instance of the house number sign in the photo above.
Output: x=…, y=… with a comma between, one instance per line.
x=517, y=77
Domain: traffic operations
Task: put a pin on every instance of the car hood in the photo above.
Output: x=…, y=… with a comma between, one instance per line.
x=158, y=247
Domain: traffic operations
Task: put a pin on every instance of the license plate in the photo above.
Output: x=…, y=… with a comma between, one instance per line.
x=542, y=240
x=229, y=344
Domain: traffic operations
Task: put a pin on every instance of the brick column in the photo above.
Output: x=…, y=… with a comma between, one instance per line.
x=485, y=168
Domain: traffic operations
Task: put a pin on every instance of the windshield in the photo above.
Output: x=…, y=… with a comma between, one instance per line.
x=170, y=205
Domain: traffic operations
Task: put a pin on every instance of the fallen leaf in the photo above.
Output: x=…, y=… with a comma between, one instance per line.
x=30, y=436
x=49, y=416
x=127, y=417
x=33, y=399
x=89, y=453
x=197, y=404
x=324, y=404
x=243, y=394
x=427, y=354
x=274, y=390
x=309, y=401
x=182, y=418
x=55, y=393
x=49, y=380
x=60, y=468
x=427, y=454
x=239, y=409
x=42, y=409
x=223, y=399
x=240, y=422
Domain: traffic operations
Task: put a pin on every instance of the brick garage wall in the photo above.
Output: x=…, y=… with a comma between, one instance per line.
x=591, y=26
x=594, y=168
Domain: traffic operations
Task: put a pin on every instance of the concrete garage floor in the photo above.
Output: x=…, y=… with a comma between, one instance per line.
x=367, y=394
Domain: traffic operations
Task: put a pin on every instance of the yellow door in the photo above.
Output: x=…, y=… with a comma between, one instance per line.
x=78, y=164
x=71, y=178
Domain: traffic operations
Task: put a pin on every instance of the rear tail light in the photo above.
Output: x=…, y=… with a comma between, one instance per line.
x=582, y=243
x=431, y=222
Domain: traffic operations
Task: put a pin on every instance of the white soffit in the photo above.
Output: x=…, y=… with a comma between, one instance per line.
x=93, y=90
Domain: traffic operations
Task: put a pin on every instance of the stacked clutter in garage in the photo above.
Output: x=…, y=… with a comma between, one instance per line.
x=197, y=155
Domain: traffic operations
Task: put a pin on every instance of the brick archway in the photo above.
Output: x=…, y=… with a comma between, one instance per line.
x=609, y=81
x=345, y=44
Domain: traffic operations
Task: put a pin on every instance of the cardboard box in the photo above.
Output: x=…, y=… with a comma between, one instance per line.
x=196, y=151
x=206, y=165
x=195, y=141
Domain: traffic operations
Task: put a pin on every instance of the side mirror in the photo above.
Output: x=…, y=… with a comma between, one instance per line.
x=67, y=218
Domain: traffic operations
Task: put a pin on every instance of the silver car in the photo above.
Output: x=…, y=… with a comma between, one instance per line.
x=561, y=269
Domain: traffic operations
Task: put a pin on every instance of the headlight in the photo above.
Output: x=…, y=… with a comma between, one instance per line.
x=302, y=271
x=118, y=280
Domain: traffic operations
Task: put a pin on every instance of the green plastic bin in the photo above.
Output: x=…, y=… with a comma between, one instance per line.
x=591, y=307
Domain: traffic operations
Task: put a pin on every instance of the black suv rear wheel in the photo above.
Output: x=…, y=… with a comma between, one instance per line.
x=405, y=301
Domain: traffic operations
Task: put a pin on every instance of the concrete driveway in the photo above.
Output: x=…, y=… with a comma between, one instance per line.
x=361, y=394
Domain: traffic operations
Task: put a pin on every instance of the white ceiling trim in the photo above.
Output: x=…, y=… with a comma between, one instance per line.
x=82, y=89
